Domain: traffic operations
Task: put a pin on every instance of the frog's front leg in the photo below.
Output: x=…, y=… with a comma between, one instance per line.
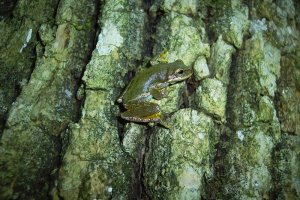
x=158, y=91
x=143, y=112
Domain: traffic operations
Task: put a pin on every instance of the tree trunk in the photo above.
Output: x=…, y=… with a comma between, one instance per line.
x=234, y=125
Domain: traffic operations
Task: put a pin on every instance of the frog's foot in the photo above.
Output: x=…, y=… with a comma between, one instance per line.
x=164, y=124
x=143, y=112
x=161, y=122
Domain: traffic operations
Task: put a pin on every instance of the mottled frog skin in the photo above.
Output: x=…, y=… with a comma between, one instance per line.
x=147, y=85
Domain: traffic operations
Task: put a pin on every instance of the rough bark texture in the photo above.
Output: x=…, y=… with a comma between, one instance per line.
x=234, y=126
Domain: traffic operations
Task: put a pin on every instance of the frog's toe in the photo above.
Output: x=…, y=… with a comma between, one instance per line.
x=155, y=118
x=164, y=124
x=152, y=124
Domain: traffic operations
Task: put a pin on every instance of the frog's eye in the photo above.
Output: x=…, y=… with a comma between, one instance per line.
x=179, y=71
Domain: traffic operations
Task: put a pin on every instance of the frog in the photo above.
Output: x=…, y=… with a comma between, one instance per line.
x=148, y=85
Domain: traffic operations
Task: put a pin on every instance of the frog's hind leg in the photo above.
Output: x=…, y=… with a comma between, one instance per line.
x=142, y=112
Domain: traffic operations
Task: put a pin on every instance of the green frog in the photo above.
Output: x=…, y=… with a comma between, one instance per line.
x=147, y=85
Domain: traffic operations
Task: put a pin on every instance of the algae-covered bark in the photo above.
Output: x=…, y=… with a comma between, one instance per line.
x=30, y=143
x=17, y=48
x=94, y=165
x=234, y=126
x=6, y=7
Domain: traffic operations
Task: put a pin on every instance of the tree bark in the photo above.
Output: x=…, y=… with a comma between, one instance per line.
x=234, y=126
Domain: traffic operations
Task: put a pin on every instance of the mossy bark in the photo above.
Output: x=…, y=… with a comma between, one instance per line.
x=234, y=126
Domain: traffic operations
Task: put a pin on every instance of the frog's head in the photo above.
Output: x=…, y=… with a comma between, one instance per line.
x=178, y=71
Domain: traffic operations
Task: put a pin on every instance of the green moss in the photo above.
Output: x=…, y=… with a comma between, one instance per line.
x=220, y=61
x=178, y=154
x=231, y=21
x=266, y=109
x=186, y=43
x=17, y=52
x=211, y=97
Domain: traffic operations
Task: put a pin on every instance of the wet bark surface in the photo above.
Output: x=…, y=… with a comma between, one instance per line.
x=234, y=126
